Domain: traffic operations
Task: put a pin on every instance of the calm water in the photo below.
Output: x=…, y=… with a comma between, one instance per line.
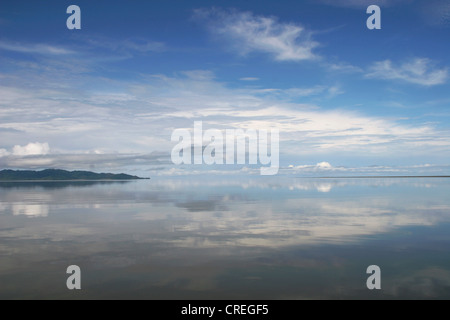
x=254, y=238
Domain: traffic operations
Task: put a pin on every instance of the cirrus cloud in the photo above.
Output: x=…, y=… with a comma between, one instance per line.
x=251, y=33
x=42, y=49
x=418, y=71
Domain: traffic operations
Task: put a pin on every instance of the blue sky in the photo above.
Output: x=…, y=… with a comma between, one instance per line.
x=107, y=97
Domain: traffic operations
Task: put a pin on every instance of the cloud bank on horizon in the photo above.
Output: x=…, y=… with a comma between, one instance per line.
x=345, y=99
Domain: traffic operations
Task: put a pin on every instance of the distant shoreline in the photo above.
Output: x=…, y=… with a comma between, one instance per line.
x=76, y=180
x=54, y=175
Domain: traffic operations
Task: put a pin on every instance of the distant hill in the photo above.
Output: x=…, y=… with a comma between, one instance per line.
x=55, y=174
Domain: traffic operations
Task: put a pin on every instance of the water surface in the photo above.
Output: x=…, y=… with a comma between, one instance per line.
x=226, y=238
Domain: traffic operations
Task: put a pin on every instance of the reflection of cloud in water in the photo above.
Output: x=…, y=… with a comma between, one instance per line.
x=325, y=187
x=290, y=183
x=295, y=221
x=30, y=210
x=430, y=283
x=319, y=186
x=103, y=262
x=213, y=213
x=188, y=237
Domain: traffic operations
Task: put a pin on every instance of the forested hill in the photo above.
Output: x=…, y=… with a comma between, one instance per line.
x=55, y=174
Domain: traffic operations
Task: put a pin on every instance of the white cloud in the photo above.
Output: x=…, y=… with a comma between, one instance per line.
x=320, y=169
x=343, y=67
x=43, y=49
x=334, y=91
x=144, y=45
x=303, y=92
x=325, y=168
x=249, y=33
x=249, y=79
x=419, y=71
x=130, y=45
x=323, y=165
x=199, y=75
x=297, y=92
x=75, y=161
x=140, y=117
x=31, y=149
x=4, y=153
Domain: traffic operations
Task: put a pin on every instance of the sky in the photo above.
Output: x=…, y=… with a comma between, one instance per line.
x=107, y=97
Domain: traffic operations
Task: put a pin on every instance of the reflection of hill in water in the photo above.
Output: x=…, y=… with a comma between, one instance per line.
x=56, y=184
